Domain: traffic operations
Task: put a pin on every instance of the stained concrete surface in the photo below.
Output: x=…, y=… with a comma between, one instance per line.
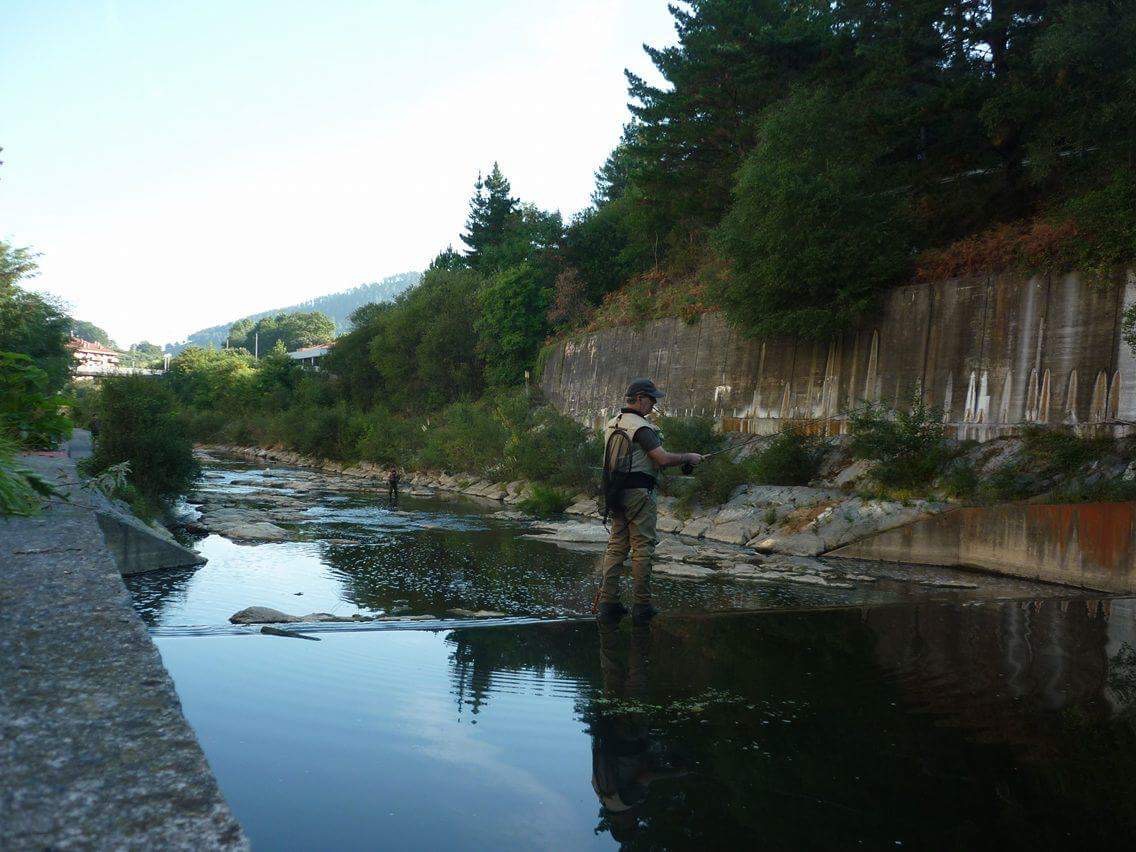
x=94, y=749
x=995, y=353
x=1092, y=545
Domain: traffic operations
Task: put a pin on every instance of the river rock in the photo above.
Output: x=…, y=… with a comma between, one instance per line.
x=477, y=613
x=256, y=531
x=672, y=549
x=262, y=615
x=571, y=531
x=813, y=530
x=696, y=527
x=683, y=570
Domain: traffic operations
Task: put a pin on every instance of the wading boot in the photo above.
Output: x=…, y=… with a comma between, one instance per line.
x=642, y=613
x=611, y=611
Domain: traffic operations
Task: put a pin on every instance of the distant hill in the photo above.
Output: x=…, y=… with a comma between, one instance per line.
x=338, y=306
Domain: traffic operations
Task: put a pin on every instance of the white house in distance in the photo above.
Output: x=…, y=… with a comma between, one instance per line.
x=92, y=359
x=310, y=356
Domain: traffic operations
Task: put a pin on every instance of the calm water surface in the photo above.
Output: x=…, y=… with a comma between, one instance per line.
x=906, y=722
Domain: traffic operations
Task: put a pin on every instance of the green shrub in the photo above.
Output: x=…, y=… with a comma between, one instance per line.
x=388, y=439
x=713, y=482
x=908, y=447
x=961, y=481
x=30, y=413
x=464, y=437
x=1103, y=491
x=22, y=491
x=791, y=458
x=1054, y=452
x=81, y=400
x=332, y=432
x=138, y=424
x=204, y=426
x=690, y=434
x=545, y=501
x=549, y=447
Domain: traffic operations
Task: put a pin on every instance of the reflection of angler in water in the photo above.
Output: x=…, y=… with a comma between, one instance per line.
x=624, y=759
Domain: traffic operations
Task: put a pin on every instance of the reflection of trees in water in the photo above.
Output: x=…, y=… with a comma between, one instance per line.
x=153, y=591
x=439, y=569
x=554, y=650
x=943, y=725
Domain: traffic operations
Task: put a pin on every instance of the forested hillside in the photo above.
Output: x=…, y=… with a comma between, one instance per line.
x=800, y=159
x=337, y=306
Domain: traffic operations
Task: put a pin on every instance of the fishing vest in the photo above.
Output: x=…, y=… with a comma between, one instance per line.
x=632, y=423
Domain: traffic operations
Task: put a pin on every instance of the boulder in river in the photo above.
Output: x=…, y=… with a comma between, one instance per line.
x=262, y=615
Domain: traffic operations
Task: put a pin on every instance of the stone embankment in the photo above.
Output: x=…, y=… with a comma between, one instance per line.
x=94, y=750
x=789, y=520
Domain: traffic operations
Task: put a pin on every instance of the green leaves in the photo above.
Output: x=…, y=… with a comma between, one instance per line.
x=293, y=330
x=22, y=491
x=30, y=413
x=819, y=224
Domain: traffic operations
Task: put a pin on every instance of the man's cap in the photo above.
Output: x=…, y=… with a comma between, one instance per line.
x=646, y=387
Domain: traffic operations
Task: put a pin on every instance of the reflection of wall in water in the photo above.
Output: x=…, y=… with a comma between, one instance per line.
x=980, y=666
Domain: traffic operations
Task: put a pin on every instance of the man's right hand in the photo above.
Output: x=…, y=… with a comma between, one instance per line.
x=692, y=458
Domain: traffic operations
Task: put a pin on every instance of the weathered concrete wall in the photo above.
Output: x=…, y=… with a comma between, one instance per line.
x=1083, y=544
x=994, y=353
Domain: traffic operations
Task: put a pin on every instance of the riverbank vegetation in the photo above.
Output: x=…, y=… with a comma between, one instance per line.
x=34, y=367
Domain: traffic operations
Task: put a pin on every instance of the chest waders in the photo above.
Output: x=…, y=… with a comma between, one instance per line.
x=625, y=466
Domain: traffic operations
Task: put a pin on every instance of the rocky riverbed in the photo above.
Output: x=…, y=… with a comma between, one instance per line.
x=323, y=544
x=793, y=520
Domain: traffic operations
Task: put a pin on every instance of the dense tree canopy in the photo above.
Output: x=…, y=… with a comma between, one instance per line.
x=293, y=330
x=89, y=331
x=881, y=127
x=31, y=324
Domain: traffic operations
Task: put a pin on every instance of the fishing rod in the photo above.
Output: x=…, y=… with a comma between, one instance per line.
x=688, y=468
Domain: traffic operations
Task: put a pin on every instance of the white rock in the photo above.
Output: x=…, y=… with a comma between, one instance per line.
x=571, y=531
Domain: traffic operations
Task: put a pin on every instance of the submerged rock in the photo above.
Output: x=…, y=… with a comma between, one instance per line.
x=477, y=613
x=683, y=570
x=255, y=531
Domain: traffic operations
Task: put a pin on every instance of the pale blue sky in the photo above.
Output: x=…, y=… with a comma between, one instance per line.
x=180, y=164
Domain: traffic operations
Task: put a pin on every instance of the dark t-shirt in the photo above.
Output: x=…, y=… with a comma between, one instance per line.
x=646, y=438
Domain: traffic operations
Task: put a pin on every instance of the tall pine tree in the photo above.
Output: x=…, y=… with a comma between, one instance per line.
x=491, y=211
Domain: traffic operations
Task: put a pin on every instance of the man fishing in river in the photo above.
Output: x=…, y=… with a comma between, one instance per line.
x=633, y=457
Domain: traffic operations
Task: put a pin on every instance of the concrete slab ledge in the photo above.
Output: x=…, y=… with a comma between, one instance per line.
x=1091, y=545
x=94, y=750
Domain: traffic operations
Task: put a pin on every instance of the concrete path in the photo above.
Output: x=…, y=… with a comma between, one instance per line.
x=94, y=749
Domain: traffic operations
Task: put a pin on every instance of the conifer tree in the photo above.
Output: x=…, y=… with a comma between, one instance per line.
x=491, y=211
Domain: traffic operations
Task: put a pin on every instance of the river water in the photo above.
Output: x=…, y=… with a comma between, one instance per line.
x=774, y=715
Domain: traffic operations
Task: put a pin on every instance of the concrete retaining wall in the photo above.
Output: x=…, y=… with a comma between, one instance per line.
x=1087, y=544
x=995, y=353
